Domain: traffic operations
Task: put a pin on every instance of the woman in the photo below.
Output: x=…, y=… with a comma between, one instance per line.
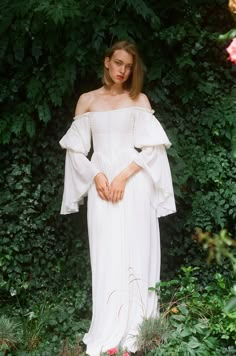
x=128, y=189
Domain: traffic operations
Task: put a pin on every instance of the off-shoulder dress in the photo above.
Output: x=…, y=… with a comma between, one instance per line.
x=123, y=237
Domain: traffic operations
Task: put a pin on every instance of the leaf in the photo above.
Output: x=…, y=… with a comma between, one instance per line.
x=142, y=9
x=186, y=332
x=194, y=343
x=30, y=126
x=17, y=124
x=179, y=317
x=231, y=305
x=3, y=124
x=37, y=50
x=44, y=112
x=183, y=309
x=34, y=89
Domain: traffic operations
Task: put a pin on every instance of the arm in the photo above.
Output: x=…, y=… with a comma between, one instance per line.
x=117, y=187
x=83, y=104
x=102, y=186
x=101, y=181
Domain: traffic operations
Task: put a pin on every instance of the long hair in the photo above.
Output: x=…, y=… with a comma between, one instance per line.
x=135, y=81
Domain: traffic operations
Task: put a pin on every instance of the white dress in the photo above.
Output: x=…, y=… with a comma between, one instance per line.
x=124, y=236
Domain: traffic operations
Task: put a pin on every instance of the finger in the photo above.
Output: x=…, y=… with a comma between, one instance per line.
x=120, y=196
x=106, y=196
x=116, y=197
x=101, y=194
x=106, y=193
x=113, y=196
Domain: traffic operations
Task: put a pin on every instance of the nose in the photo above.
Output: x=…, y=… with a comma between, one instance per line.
x=122, y=69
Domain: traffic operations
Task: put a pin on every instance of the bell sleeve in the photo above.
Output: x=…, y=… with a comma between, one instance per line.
x=79, y=171
x=150, y=137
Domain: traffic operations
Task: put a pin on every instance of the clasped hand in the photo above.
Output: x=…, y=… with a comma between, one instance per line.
x=113, y=191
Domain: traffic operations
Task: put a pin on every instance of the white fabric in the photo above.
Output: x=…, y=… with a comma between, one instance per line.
x=79, y=171
x=124, y=237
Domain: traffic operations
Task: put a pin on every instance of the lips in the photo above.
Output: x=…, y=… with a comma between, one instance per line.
x=120, y=77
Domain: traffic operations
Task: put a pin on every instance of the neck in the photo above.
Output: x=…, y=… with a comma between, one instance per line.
x=115, y=90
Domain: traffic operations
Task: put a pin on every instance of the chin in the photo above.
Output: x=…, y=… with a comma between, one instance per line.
x=120, y=81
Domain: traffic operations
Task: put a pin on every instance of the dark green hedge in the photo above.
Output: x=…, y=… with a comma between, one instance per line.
x=50, y=52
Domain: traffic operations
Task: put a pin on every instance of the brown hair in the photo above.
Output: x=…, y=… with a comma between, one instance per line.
x=135, y=81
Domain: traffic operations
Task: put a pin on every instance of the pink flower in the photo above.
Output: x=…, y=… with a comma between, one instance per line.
x=126, y=354
x=232, y=51
x=113, y=351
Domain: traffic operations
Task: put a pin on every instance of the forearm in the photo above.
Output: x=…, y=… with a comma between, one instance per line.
x=117, y=186
x=130, y=170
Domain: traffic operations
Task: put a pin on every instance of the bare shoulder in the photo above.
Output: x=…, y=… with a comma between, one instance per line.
x=143, y=101
x=85, y=101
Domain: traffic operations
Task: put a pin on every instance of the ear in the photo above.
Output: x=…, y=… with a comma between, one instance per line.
x=106, y=62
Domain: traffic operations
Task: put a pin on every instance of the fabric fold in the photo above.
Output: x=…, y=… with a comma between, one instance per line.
x=79, y=171
x=150, y=137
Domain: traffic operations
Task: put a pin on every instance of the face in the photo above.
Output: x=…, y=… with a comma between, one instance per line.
x=119, y=66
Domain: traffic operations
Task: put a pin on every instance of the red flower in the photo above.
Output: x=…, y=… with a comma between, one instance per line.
x=113, y=351
x=126, y=354
x=232, y=51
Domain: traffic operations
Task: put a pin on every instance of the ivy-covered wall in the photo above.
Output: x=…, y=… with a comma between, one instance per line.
x=50, y=52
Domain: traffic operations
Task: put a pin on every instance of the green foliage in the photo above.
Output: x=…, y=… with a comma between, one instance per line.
x=71, y=350
x=153, y=332
x=36, y=248
x=195, y=312
x=186, y=340
x=47, y=320
x=228, y=35
x=33, y=324
x=210, y=169
x=220, y=246
x=188, y=78
x=10, y=333
x=50, y=52
x=68, y=312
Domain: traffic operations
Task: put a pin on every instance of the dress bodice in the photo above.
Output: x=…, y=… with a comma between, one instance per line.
x=116, y=136
x=112, y=131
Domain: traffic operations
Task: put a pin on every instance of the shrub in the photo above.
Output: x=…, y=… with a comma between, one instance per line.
x=10, y=333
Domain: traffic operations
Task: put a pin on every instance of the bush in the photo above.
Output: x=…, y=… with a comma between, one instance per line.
x=193, y=308
x=38, y=246
x=190, y=84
